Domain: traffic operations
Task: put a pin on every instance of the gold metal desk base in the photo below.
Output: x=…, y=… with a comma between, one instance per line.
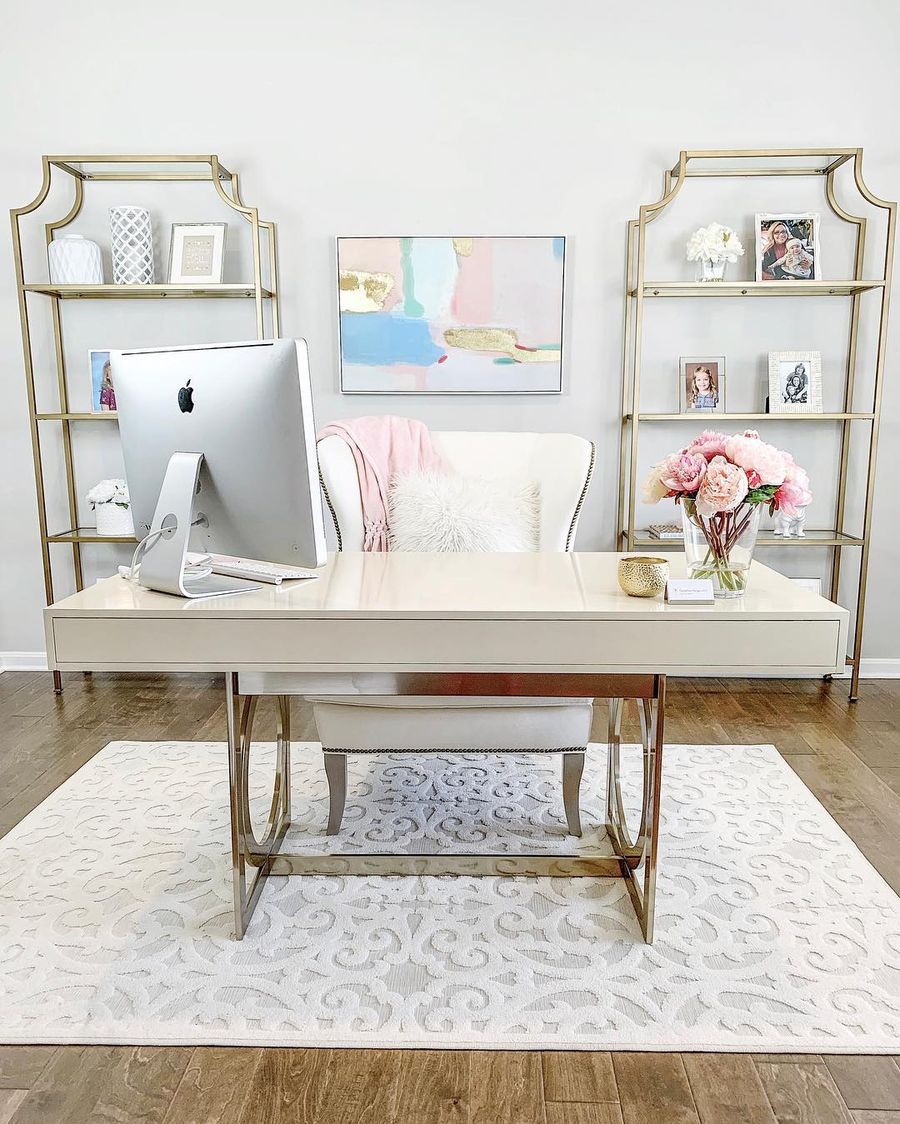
x=635, y=859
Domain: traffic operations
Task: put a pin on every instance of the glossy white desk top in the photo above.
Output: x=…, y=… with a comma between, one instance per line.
x=466, y=586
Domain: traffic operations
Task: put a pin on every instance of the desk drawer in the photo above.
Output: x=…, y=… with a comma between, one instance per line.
x=665, y=645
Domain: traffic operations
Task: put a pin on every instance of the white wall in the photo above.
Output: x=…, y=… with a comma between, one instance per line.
x=513, y=116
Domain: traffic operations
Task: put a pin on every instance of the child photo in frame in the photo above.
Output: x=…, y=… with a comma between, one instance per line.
x=702, y=382
x=103, y=393
x=787, y=247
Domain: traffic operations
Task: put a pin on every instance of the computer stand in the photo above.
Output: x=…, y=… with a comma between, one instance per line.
x=162, y=567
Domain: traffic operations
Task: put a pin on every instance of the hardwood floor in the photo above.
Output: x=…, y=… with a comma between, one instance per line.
x=848, y=756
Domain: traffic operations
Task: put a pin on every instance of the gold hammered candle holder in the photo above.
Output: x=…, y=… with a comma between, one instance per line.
x=642, y=576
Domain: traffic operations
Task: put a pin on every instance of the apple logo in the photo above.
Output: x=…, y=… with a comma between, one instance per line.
x=186, y=398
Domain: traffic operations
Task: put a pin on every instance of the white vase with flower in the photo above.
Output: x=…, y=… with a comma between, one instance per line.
x=713, y=247
x=112, y=505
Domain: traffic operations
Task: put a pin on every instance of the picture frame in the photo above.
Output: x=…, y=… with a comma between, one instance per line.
x=197, y=253
x=701, y=380
x=103, y=394
x=795, y=382
x=448, y=314
x=787, y=246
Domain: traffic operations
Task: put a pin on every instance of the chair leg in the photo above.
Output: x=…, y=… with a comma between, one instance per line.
x=572, y=768
x=336, y=772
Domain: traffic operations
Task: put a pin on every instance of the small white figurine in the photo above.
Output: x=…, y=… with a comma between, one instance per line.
x=790, y=526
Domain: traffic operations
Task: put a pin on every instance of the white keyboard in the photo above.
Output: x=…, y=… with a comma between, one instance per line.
x=251, y=570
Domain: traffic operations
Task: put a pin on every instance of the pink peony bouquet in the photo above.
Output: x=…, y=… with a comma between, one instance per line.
x=722, y=483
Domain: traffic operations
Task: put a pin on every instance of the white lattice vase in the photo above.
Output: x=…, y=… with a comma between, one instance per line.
x=114, y=520
x=132, y=245
x=75, y=260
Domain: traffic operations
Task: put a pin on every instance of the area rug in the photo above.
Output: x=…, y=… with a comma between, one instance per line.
x=773, y=932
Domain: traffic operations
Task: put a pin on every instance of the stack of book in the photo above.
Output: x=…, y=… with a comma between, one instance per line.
x=666, y=531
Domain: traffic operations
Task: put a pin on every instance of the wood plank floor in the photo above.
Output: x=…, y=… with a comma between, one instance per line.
x=849, y=756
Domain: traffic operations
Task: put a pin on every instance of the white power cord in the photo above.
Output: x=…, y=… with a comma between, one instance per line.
x=196, y=565
x=140, y=550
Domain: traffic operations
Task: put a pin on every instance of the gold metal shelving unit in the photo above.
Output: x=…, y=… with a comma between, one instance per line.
x=638, y=289
x=262, y=290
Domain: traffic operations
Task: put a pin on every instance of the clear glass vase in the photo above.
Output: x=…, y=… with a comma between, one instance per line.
x=720, y=547
x=712, y=270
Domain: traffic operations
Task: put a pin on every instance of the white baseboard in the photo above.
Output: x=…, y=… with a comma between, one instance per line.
x=877, y=669
x=37, y=661
x=23, y=661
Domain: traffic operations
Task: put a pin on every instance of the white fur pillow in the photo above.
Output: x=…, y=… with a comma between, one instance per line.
x=430, y=511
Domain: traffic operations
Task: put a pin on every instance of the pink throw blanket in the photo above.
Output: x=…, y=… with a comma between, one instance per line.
x=383, y=447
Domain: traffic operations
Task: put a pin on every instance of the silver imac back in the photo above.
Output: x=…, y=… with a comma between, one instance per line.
x=247, y=408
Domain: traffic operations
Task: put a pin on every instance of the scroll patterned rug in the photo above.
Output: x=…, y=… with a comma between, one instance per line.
x=773, y=932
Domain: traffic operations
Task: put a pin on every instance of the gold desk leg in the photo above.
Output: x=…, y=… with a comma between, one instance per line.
x=644, y=849
x=251, y=857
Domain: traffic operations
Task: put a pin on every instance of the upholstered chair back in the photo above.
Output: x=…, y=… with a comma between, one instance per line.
x=560, y=463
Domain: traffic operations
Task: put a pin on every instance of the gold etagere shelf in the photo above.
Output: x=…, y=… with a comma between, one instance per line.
x=638, y=289
x=262, y=290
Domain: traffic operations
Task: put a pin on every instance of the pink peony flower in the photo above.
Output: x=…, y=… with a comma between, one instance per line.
x=708, y=444
x=793, y=471
x=654, y=489
x=682, y=472
x=754, y=455
x=723, y=488
x=791, y=497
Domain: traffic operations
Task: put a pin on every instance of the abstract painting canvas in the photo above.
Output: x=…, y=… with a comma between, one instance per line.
x=451, y=315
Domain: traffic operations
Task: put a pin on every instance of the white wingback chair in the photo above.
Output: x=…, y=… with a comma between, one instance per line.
x=562, y=465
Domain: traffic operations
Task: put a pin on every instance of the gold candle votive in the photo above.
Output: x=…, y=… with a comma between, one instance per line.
x=641, y=576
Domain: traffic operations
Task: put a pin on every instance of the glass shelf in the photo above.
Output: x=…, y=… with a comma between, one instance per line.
x=138, y=168
x=99, y=415
x=755, y=288
x=644, y=540
x=709, y=417
x=144, y=292
x=764, y=162
x=86, y=535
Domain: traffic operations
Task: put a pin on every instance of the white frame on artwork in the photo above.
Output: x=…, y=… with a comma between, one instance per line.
x=813, y=404
x=176, y=251
x=450, y=393
x=787, y=216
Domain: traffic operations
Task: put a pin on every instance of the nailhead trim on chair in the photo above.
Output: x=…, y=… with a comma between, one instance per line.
x=457, y=749
x=334, y=519
x=587, y=480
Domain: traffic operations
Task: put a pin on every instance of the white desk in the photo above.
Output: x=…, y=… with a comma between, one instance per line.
x=456, y=624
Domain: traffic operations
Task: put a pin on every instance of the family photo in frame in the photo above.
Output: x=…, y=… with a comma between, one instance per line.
x=795, y=382
x=787, y=247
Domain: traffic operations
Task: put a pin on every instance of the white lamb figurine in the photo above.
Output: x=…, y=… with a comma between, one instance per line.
x=790, y=526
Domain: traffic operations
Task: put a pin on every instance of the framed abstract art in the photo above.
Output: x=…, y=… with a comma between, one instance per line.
x=444, y=315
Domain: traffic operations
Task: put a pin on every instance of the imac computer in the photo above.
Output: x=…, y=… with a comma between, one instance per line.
x=220, y=449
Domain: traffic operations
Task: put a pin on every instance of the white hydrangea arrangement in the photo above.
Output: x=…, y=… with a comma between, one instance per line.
x=109, y=491
x=714, y=243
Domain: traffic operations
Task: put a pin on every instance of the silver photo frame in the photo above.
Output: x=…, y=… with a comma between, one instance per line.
x=709, y=372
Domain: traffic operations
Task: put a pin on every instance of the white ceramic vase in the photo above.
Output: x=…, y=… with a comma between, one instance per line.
x=132, y=245
x=114, y=520
x=75, y=260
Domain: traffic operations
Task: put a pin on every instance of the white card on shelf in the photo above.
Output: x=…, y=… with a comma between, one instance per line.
x=690, y=591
